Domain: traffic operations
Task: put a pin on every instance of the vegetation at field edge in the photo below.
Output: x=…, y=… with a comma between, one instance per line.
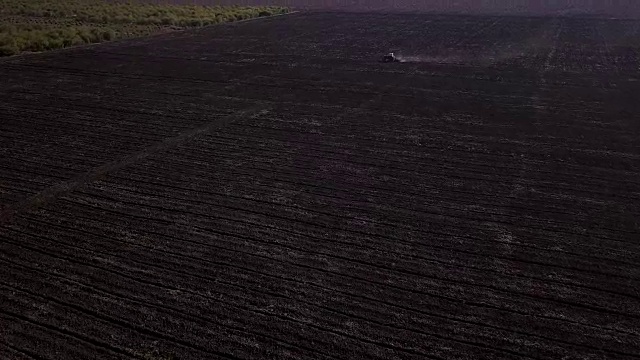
x=39, y=25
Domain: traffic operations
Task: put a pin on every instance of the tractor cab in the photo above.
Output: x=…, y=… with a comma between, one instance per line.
x=390, y=57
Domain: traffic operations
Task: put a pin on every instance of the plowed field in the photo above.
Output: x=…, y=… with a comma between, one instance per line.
x=269, y=189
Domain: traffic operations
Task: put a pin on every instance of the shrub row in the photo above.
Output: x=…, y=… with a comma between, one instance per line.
x=103, y=21
x=41, y=40
x=115, y=12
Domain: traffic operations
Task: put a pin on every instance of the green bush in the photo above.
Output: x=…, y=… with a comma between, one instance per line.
x=85, y=36
x=55, y=44
x=195, y=22
x=108, y=35
x=37, y=44
x=74, y=22
x=8, y=50
x=168, y=20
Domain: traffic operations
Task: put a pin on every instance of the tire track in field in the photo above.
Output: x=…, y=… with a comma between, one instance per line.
x=411, y=309
x=503, y=232
x=335, y=196
x=559, y=300
x=69, y=333
x=371, y=193
x=71, y=308
x=52, y=193
x=578, y=107
x=483, y=133
x=480, y=177
x=48, y=194
x=399, y=240
x=22, y=352
x=194, y=346
x=452, y=216
x=428, y=259
x=306, y=169
x=420, y=311
x=369, y=162
x=331, y=310
x=375, y=249
x=189, y=316
x=235, y=139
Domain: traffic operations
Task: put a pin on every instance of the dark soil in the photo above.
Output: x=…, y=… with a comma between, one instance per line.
x=269, y=189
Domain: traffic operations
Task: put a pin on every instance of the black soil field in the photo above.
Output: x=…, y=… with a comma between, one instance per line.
x=629, y=9
x=269, y=189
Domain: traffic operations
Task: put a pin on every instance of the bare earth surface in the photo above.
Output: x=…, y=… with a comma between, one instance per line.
x=268, y=189
x=629, y=9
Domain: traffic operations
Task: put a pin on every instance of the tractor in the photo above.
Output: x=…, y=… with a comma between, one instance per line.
x=390, y=57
